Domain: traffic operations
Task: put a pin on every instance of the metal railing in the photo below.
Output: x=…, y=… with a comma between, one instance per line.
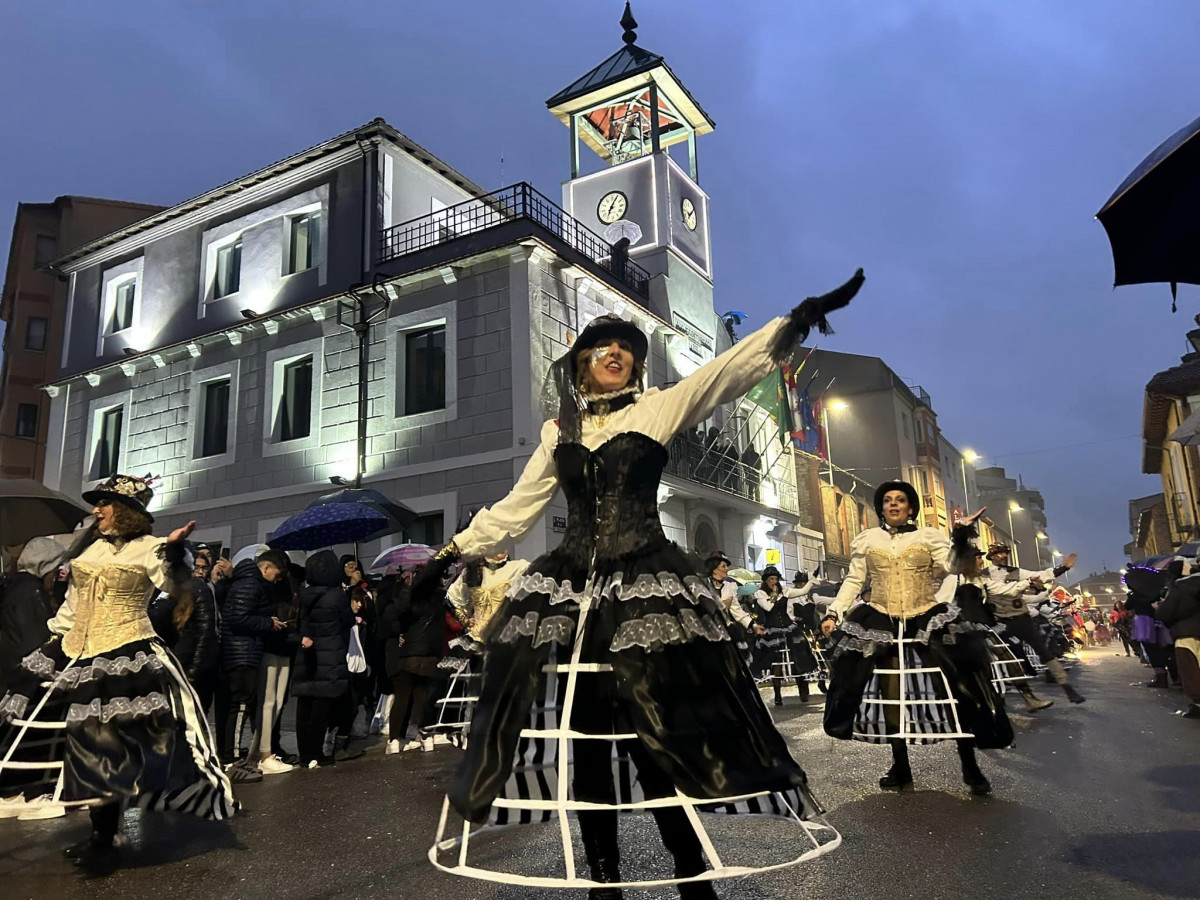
x=692, y=459
x=520, y=201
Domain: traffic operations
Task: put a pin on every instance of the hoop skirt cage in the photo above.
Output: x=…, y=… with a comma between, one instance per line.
x=610, y=684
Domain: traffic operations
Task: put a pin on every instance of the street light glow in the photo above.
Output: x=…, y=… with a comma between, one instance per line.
x=1017, y=508
x=838, y=405
x=1056, y=553
x=1041, y=535
x=970, y=455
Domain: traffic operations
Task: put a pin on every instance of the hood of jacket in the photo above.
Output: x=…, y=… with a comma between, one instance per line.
x=323, y=569
x=41, y=556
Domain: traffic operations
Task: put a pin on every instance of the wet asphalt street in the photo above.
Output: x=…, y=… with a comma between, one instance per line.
x=1094, y=801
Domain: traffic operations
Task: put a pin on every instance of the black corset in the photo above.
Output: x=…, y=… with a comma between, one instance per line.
x=612, y=496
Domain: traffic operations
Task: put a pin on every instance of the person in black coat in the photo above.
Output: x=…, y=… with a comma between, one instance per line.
x=412, y=624
x=321, y=677
x=246, y=616
x=1180, y=612
x=26, y=603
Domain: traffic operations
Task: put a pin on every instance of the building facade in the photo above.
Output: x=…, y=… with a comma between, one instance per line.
x=363, y=312
x=1170, y=420
x=33, y=307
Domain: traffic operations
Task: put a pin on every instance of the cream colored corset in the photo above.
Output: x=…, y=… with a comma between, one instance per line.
x=903, y=583
x=111, y=599
x=484, y=603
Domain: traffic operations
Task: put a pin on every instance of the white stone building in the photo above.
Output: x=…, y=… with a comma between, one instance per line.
x=213, y=344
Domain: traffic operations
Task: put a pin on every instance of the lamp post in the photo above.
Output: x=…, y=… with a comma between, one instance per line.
x=1041, y=536
x=1012, y=508
x=836, y=406
x=969, y=456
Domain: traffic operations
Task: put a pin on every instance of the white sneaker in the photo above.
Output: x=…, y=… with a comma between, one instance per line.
x=43, y=807
x=392, y=747
x=442, y=738
x=427, y=744
x=414, y=744
x=313, y=764
x=11, y=807
x=273, y=765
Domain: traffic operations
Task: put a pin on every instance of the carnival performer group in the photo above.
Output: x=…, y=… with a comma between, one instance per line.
x=135, y=732
x=619, y=633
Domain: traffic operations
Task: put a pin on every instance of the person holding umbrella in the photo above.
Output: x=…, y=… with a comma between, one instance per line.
x=135, y=731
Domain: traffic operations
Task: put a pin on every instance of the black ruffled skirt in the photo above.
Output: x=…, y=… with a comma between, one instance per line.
x=134, y=729
x=961, y=701
x=677, y=685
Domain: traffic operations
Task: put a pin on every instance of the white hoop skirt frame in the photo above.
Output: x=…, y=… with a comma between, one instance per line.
x=539, y=788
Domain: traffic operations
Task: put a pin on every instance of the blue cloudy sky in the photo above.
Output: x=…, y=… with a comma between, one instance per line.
x=957, y=149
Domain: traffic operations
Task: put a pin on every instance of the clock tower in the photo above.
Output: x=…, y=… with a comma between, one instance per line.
x=630, y=110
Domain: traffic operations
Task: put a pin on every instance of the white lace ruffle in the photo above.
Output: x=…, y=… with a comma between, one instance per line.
x=100, y=667
x=643, y=587
x=661, y=629
x=39, y=664
x=13, y=706
x=117, y=706
x=941, y=621
x=536, y=583
x=552, y=628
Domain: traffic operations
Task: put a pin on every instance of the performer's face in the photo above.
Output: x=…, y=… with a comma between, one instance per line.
x=498, y=558
x=896, y=510
x=721, y=570
x=103, y=512
x=609, y=366
x=1000, y=557
x=771, y=582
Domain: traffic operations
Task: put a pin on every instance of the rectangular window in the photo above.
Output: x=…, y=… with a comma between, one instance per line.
x=425, y=370
x=45, y=248
x=35, y=333
x=305, y=242
x=295, y=407
x=122, y=311
x=229, y=270
x=214, y=418
x=108, y=448
x=27, y=420
x=428, y=530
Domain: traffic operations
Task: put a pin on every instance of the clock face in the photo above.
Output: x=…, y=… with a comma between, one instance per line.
x=612, y=207
x=689, y=214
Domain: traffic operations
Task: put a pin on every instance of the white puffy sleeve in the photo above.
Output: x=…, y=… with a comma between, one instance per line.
x=511, y=517
x=661, y=414
x=855, y=578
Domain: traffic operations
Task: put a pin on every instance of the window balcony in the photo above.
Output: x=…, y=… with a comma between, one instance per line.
x=492, y=212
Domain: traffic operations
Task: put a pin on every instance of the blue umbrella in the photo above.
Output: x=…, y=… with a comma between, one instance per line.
x=400, y=517
x=326, y=525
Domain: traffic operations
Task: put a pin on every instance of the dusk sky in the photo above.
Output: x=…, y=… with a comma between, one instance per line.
x=956, y=149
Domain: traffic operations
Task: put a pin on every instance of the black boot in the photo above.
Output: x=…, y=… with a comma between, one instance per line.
x=1160, y=680
x=778, y=691
x=972, y=776
x=899, y=776
x=99, y=852
x=802, y=687
x=1193, y=711
x=342, y=751
x=1073, y=695
x=599, y=831
x=698, y=890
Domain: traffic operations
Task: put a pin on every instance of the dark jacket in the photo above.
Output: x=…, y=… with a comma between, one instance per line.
x=245, y=617
x=326, y=619
x=284, y=608
x=198, y=647
x=1180, y=612
x=24, y=611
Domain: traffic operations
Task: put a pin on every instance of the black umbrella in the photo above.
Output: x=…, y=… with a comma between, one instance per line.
x=1153, y=218
x=29, y=509
x=399, y=517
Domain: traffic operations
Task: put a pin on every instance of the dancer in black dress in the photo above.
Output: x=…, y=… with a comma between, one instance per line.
x=651, y=665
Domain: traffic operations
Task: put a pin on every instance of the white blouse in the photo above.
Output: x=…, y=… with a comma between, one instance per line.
x=658, y=414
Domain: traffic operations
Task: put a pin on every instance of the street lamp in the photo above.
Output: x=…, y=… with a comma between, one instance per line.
x=969, y=456
x=1041, y=536
x=836, y=406
x=1012, y=508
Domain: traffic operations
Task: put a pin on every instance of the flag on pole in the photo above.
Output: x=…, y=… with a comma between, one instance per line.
x=809, y=436
x=771, y=395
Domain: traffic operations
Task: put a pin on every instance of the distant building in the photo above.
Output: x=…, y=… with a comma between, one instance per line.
x=1150, y=526
x=249, y=316
x=1101, y=589
x=33, y=306
x=1009, y=500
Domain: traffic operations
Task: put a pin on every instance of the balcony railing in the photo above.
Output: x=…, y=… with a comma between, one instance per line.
x=689, y=459
x=520, y=201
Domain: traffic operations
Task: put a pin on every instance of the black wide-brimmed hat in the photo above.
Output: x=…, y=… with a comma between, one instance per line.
x=998, y=547
x=130, y=490
x=612, y=327
x=716, y=558
x=910, y=492
x=769, y=571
